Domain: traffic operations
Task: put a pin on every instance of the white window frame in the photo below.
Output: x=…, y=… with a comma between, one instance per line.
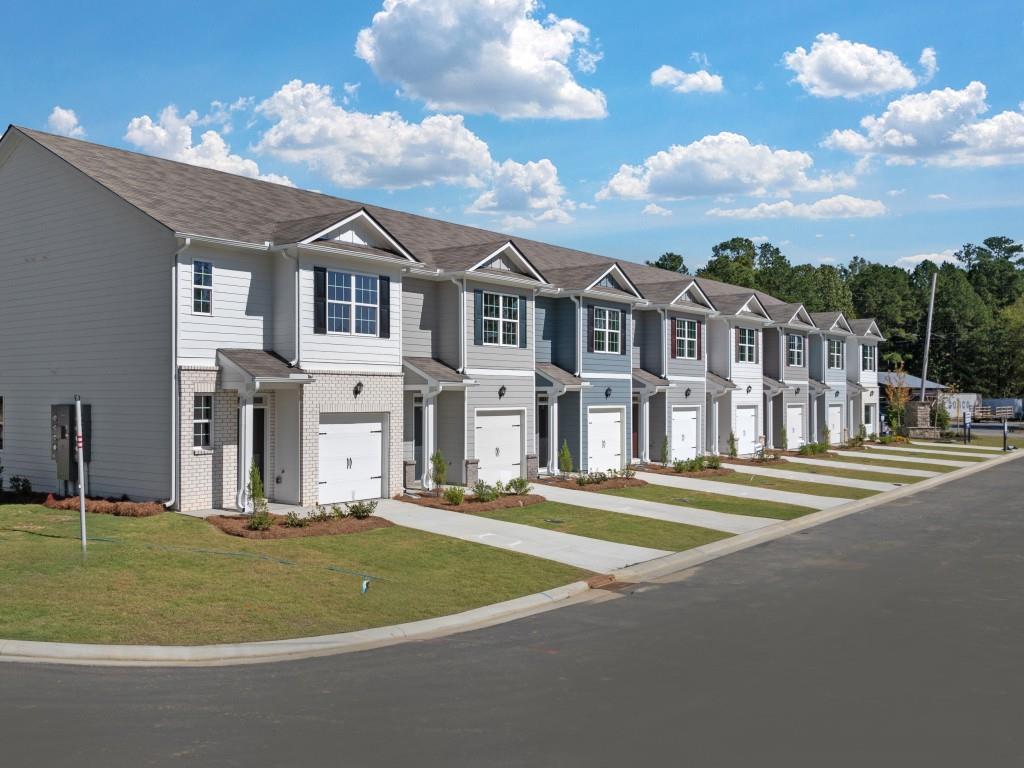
x=835, y=354
x=603, y=324
x=686, y=334
x=871, y=358
x=751, y=346
x=499, y=324
x=350, y=311
x=208, y=421
x=198, y=288
x=794, y=355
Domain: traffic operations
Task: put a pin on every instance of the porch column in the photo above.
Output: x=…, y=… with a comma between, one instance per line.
x=554, y=445
x=769, y=438
x=244, y=449
x=812, y=419
x=429, y=437
x=714, y=426
x=644, y=435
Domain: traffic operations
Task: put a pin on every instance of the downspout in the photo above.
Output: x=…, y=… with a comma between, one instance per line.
x=298, y=306
x=461, y=286
x=578, y=336
x=664, y=342
x=175, y=426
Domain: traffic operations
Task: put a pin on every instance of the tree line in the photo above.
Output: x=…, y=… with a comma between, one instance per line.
x=978, y=327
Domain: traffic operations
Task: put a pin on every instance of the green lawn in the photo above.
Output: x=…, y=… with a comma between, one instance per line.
x=734, y=505
x=890, y=451
x=609, y=526
x=795, y=486
x=886, y=463
x=150, y=586
x=857, y=474
x=991, y=439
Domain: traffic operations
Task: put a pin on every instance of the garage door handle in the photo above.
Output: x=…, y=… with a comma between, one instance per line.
x=375, y=477
x=322, y=482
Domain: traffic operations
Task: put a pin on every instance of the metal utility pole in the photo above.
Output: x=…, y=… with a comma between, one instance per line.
x=80, y=447
x=928, y=335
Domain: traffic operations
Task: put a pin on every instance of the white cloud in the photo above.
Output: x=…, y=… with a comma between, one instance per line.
x=940, y=127
x=836, y=67
x=700, y=81
x=653, y=209
x=758, y=239
x=939, y=196
x=171, y=136
x=942, y=257
x=65, y=122
x=929, y=65
x=531, y=187
x=895, y=192
x=700, y=59
x=837, y=207
x=483, y=57
x=517, y=224
x=720, y=164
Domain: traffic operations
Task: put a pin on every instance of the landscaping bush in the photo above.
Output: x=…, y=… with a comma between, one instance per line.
x=321, y=514
x=813, y=449
x=107, y=506
x=784, y=440
x=873, y=436
x=438, y=469
x=592, y=478
x=826, y=435
x=21, y=486
x=455, y=495
x=732, y=445
x=665, y=451
x=714, y=462
x=940, y=416
x=518, y=486
x=629, y=472
x=295, y=520
x=483, y=492
x=339, y=511
x=361, y=510
x=564, y=458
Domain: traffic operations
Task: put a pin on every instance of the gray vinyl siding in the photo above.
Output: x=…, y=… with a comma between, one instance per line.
x=446, y=307
x=555, y=339
x=569, y=427
x=419, y=318
x=658, y=421
x=682, y=366
x=718, y=348
x=795, y=372
x=283, y=321
x=635, y=342
x=605, y=362
x=495, y=356
x=649, y=331
x=520, y=394
x=85, y=308
x=545, y=328
x=451, y=434
x=621, y=396
x=773, y=350
x=815, y=357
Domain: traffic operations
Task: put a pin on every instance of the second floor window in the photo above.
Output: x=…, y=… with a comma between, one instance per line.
x=686, y=339
x=746, y=345
x=607, y=330
x=835, y=353
x=202, y=287
x=353, y=302
x=501, y=320
x=868, y=357
x=795, y=350
x=202, y=422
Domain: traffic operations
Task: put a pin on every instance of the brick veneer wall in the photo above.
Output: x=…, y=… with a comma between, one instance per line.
x=207, y=479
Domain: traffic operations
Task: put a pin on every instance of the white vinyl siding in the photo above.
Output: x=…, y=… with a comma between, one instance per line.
x=202, y=287
x=868, y=357
x=202, y=422
x=835, y=354
x=747, y=345
x=500, y=320
x=607, y=330
x=686, y=339
x=795, y=350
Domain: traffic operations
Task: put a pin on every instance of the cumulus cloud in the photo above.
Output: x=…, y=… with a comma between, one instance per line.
x=491, y=57
x=942, y=257
x=841, y=68
x=939, y=196
x=65, y=122
x=720, y=164
x=700, y=81
x=929, y=65
x=940, y=127
x=170, y=136
x=653, y=209
x=531, y=187
x=836, y=207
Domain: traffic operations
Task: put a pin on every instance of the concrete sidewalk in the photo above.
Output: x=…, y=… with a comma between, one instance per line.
x=959, y=446
x=807, y=477
x=938, y=453
x=743, y=491
x=705, y=518
x=881, y=469
x=579, y=551
x=908, y=459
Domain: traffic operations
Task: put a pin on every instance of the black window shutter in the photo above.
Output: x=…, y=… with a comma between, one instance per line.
x=672, y=337
x=623, y=347
x=319, y=300
x=700, y=341
x=384, y=296
x=590, y=327
x=478, y=317
x=522, y=322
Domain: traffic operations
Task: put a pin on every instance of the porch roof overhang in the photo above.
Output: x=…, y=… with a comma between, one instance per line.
x=256, y=369
x=818, y=387
x=773, y=387
x=853, y=389
x=436, y=374
x=554, y=377
x=718, y=385
x=647, y=381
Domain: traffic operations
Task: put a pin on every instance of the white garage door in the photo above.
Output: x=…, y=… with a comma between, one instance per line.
x=794, y=426
x=747, y=432
x=684, y=433
x=350, y=461
x=604, y=439
x=499, y=441
x=835, y=424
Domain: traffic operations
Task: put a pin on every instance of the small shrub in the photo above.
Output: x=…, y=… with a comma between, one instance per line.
x=438, y=469
x=518, y=486
x=454, y=495
x=665, y=451
x=295, y=520
x=564, y=458
x=21, y=486
x=499, y=488
x=714, y=462
x=339, y=511
x=873, y=436
x=629, y=472
x=321, y=514
x=940, y=416
x=826, y=435
x=581, y=479
x=732, y=445
x=679, y=465
x=484, y=493
x=361, y=510
x=862, y=433
x=260, y=522
x=784, y=440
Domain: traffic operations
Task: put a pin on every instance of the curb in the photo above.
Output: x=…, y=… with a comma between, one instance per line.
x=442, y=626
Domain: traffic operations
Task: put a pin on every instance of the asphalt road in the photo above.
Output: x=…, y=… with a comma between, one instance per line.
x=894, y=637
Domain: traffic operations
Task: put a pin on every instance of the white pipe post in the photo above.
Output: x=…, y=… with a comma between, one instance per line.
x=928, y=336
x=80, y=450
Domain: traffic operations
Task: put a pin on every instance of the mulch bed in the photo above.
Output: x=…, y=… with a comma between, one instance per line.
x=117, y=507
x=756, y=462
x=607, y=485
x=236, y=525
x=703, y=473
x=503, y=502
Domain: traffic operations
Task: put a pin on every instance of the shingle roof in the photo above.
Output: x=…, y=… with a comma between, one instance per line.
x=463, y=256
x=435, y=369
x=261, y=364
x=296, y=230
x=649, y=379
x=731, y=303
x=825, y=320
x=558, y=375
x=860, y=326
x=782, y=313
x=720, y=381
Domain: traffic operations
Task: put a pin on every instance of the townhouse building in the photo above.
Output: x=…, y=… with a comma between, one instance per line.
x=214, y=322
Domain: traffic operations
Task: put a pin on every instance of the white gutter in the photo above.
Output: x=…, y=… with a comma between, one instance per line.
x=666, y=329
x=462, y=323
x=578, y=336
x=175, y=426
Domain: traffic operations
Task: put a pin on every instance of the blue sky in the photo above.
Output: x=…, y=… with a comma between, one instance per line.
x=888, y=130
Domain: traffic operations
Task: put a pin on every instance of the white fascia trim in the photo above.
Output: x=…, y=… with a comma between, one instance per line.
x=498, y=372
x=361, y=214
x=520, y=257
x=493, y=276
x=760, y=307
x=685, y=378
x=224, y=242
x=610, y=376
x=616, y=268
x=361, y=255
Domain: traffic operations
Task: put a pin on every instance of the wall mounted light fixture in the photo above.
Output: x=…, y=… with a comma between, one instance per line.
x=501, y=391
x=798, y=390
x=749, y=388
x=607, y=391
x=687, y=392
x=357, y=390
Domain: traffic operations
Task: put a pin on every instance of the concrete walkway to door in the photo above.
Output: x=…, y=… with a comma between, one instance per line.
x=743, y=491
x=591, y=554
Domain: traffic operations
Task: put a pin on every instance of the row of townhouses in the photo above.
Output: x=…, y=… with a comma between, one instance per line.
x=211, y=321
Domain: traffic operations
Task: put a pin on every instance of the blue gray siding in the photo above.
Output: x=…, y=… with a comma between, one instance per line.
x=605, y=362
x=621, y=396
x=569, y=425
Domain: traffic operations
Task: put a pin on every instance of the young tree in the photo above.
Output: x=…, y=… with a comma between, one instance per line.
x=898, y=395
x=564, y=458
x=438, y=470
x=673, y=262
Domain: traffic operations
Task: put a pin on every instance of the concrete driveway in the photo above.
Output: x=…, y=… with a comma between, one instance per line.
x=743, y=491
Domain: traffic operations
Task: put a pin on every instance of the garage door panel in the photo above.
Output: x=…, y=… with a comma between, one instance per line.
x=604, y=440
x=684, y=433
x=351, y=461
x=499, y=441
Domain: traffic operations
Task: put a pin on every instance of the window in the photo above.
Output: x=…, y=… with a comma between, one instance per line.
x=353, y=301
x=501, y=320
x=835, y=353
x=202, y=287
x=868, y=357
x=607, y=330
x=202, y=422
x=686, y=339
x=746, y=345
x=795, y=350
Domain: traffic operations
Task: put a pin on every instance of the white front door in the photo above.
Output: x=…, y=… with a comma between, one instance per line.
x=835, y=424
x=684, y=433
x=350, y=461
x=604, y=439
x=747, y=433
x=794, y=426
x=499, y=441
